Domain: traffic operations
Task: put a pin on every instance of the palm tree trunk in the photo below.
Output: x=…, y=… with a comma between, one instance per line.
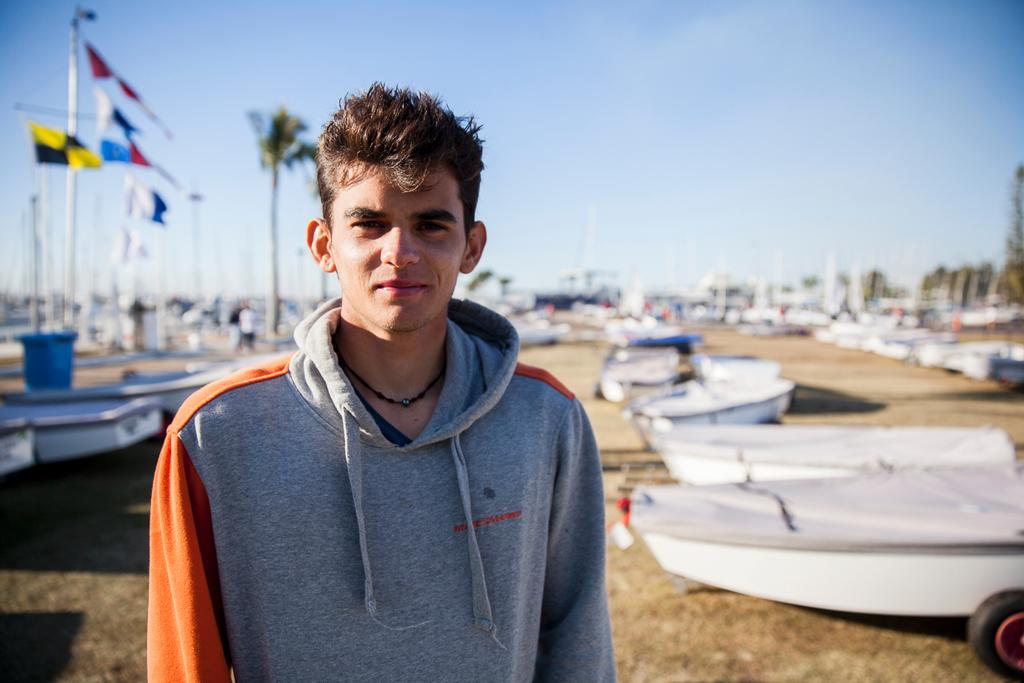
x=273, y=301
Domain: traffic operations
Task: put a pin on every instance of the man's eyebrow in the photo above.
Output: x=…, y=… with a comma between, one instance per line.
x=435, y=215
x=363, y=213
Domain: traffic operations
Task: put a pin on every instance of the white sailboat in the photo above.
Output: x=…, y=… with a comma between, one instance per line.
x=731, y=454
x=975, y=359
x=16, y=439
x=65, y=431
x=722, y=368
x=921, y=543
x=710, y=403
x=627, y=371
x=169, y=388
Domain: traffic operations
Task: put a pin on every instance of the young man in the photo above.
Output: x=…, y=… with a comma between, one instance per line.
x=400, y=500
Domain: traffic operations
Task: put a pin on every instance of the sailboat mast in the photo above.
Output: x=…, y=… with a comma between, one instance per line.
x=34, y=268
x=69, y=241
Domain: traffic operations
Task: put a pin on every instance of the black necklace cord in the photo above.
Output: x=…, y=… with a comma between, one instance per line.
x=404, y=402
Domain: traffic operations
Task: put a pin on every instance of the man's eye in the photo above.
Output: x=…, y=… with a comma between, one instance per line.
x=368, y=225
x=433, y=227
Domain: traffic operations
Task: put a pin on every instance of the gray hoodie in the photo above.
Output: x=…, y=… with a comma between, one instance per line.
x=474, y=553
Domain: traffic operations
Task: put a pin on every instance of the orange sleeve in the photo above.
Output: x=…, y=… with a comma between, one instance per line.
x=186, y=638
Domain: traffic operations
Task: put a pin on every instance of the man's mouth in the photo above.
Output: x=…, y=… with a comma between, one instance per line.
x=401, y=286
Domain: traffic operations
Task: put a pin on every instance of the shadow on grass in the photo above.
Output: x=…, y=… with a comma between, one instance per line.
x=616, y=459
x=810, y=400
x=83, y=515
x=37, y=647
x=949, y=628
x=1001, y=395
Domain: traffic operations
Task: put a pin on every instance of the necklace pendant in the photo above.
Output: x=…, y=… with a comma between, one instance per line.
x=405, y=402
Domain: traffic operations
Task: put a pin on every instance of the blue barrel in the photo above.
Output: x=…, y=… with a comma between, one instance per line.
x=49, y=359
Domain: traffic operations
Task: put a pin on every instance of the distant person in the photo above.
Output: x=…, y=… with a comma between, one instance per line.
x=247, y=326
x=401, y=500
x=234, y=332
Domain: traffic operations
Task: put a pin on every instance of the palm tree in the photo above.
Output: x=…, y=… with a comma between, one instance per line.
x=278, y=139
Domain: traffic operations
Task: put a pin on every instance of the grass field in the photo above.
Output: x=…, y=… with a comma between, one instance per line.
x=73, y=547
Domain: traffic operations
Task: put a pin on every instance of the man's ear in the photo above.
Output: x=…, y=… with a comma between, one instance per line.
x=318, y=239
x=476, y=240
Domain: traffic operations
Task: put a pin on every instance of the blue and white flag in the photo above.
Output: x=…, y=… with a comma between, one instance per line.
x=106, y=113
x=114, y=151
x=143, y=202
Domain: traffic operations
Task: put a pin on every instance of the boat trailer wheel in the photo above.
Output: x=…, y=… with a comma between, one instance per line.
x=996, y=633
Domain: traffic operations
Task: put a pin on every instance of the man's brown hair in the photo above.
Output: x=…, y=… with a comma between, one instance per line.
x=406, y=135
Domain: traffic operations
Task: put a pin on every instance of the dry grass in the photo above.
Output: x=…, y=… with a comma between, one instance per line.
x=73, y=548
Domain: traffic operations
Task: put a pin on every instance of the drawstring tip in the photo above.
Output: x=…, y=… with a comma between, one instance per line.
x=488, y=626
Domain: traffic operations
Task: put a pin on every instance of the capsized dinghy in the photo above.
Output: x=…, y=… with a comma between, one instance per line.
x=65, y=431
x=735, y=453
x=945, y=542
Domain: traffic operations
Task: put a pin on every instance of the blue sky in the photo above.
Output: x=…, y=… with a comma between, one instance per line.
x=755, y=136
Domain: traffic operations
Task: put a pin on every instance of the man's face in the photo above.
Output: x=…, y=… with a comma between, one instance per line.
x=397, y=254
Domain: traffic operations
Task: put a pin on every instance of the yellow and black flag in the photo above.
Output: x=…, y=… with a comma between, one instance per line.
x=56, y=147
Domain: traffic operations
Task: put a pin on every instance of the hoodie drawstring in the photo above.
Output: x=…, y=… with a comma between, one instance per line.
x=483, y=617
x=354, y=463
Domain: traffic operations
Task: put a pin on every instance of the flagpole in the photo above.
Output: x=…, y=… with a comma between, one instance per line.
x=69, y=243
x=49, y=304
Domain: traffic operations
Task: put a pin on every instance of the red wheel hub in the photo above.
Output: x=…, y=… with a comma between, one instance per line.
x=1010, y=641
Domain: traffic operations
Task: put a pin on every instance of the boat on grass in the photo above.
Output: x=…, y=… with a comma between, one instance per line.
x=711, y=403
x=170, y=388
x=65, y=431
x=16, y=439
x=977, y=360
x=649, y=332
x=942, y=542
x=704, y=455
x=721, y=368
x=627, y=371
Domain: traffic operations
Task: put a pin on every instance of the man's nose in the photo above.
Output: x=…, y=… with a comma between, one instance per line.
x=399, y=248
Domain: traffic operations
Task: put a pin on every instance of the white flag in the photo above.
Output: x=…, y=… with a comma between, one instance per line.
x=127, y=248
x=119, y=252
x=104, y=108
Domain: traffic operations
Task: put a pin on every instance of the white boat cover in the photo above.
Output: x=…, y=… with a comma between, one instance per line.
x=858, y=448
x=733, y=368
x=79, y=413
x=696, y=398
x=970, y=510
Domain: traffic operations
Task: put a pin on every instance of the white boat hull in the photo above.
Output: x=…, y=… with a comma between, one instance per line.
x=921, y=543
x=65, y=431
x=16, y=449
x=896, y=583
x=55, y=444
x=628, y=371
x=769, y=406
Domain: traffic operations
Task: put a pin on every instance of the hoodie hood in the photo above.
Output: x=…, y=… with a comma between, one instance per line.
x=481, y=348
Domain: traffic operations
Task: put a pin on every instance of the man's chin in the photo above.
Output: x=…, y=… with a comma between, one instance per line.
x=406, y=322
